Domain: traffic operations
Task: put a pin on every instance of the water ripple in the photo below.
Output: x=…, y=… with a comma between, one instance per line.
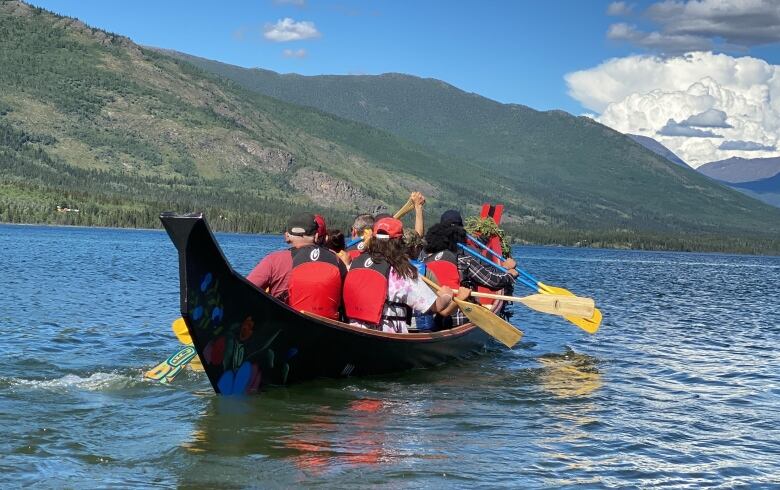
x=680, y=387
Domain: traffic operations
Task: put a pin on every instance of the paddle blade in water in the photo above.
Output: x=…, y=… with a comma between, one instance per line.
x=180, y=329
x=166, y=371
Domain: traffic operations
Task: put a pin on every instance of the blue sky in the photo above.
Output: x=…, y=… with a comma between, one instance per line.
x=702, y=77
x=514, y=51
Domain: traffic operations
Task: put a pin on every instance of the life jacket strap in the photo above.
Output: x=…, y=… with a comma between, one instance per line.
x=407, y=317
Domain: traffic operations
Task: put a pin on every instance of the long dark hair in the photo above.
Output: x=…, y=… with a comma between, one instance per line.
x=335, y=241
x=444, y=236
x=394, y=252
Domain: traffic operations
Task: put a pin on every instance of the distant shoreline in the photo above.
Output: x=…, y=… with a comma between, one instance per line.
x=119, y=228
x=514, y=243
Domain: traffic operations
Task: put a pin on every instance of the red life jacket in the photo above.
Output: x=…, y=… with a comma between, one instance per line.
x=315, y=281
x=355, y=250
x=365, y=292
x=444, y=265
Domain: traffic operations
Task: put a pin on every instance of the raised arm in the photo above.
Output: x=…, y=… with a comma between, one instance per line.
x=419, y=223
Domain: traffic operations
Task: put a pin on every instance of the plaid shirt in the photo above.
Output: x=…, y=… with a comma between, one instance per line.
x=472, y=274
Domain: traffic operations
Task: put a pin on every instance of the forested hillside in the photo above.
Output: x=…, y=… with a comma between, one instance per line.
x=571, y=172
x=91, y=121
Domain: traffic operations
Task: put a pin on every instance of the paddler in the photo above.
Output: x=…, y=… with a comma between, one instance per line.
x=307, y=276
x=383, y=289
x=363, y=224
x=458, y=270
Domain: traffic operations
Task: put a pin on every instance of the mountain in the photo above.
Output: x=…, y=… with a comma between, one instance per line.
x=90, y=120
x=758, y=178
x=571, y=172
x=658, y=149
x=738, y=169
x=767, y=190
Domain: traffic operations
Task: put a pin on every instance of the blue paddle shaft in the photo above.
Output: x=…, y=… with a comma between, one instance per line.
x=497, y=266
x=486, y=248
x=501, y=258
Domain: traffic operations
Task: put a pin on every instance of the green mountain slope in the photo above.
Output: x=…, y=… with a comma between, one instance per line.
x=570, y=172
x=90, y=120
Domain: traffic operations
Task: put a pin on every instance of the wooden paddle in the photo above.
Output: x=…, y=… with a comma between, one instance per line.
x=485, y=319
x=398, y=215
x=553, y=304
x=166, y=371
x=183, y=334
x=589, y=324
x=404, y=209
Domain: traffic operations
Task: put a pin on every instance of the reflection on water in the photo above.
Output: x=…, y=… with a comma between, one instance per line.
x=323, y=428
x=569, y=374
x=315, y=437
x=663, y=395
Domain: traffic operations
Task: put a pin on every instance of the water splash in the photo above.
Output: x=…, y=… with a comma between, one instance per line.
x=95, y=382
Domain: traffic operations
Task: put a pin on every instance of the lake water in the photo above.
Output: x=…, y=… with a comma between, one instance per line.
x=681, y=386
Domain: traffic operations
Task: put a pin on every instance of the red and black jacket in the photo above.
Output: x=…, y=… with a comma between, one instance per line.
x=365, y=292
x=355, y=250
x=444, y=265
x=316, y=281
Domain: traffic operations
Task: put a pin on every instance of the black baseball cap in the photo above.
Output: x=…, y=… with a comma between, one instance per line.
x=302, y=224
x=451, y=217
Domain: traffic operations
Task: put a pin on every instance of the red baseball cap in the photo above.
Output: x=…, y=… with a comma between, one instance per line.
x=387, y=228
x=321, y=229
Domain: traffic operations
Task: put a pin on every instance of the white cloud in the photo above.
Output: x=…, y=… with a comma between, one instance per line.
x=690, y=25
x=656, y=41
x=739, y=98
x=288, y=29
x=295, y=53
x=673, y=128
x=711, y=118
x=745, y=146
x=619, y=8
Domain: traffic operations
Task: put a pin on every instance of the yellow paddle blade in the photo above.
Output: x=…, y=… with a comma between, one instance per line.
x=491, y=323
x=557, y=304
x=590, y=325
x=485, y=319
x=166, y=371
x=554, y=304
x=196, y=365
x=180, y=329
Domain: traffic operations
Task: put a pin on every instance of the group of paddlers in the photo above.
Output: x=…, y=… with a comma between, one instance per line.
x=376, y=283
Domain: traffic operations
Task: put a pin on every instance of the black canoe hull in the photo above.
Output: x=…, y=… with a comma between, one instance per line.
x=246, y=338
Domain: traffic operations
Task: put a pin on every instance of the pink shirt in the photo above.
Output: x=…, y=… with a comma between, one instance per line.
x=273, y=273
x=412, y=292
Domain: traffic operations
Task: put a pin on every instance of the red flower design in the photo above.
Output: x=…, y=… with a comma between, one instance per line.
x=247, y=327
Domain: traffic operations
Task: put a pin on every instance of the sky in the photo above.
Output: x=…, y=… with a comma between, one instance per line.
x=700, y=76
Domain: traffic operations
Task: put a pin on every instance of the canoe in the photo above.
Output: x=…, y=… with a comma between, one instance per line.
x=246, y=338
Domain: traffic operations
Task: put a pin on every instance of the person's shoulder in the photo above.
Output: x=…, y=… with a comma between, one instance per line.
x=278, y=255
x=465, y=258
